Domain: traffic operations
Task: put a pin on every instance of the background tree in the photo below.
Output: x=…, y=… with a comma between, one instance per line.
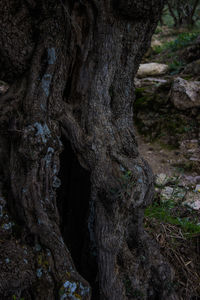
x=70, y=67
x=183, y=11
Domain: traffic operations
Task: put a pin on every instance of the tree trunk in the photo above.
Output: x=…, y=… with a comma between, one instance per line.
x=70, y=66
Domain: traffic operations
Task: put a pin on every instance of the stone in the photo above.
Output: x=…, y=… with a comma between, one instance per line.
x=185, y=94
x=156, y=43
x=197, y=189
x=179, y=193
x=161, y=179
x=192, y=200
x=151, y=81
x=167, y=193
x=189, y=181
x=152, y=69
x=189, y=146
x=191, y=150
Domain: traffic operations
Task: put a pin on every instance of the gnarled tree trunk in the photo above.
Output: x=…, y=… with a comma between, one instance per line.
x=70, y=66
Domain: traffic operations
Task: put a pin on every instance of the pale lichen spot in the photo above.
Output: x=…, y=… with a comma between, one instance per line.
x=38, y=247
x=42, y=131
x=51, y=56
x=69, y=291
x=48, y=156
x=56, y=182
x=46, y=81
x=43, y=107
x=64, y=296
x=61, y=239
x=70, y=286
x=7, y=226
x=39, y=273
x=84, y=290
x=139, y=169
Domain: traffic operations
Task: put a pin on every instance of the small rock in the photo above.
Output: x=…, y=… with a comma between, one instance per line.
x=185, y=94
x=194, y=158
x=197, y=188
x=161, y=179
x=39, y=272
x=152, y=69
x=187, y=145
x=166, y=193
x=194, y=205
x=151, y=85
x=192, y=179
x=192, y=200
x=149, y=81
x=156, y=43
x=179, y=193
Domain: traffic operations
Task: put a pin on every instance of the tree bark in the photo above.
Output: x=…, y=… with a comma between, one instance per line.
x=71, y=66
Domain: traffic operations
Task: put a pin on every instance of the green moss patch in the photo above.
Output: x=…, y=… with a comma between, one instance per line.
x=164, y=212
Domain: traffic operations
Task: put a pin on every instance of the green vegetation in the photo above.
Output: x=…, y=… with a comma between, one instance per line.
x=176, y=66
x=182, y=40
x=167, y=19
x=164, y=212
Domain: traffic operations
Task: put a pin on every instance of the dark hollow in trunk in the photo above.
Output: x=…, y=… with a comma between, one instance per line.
x=73, y=199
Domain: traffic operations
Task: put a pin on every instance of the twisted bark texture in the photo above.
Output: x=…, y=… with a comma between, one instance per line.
x=70, y=66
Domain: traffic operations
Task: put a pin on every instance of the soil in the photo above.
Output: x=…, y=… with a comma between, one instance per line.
x=161, y=160
x=164, y=160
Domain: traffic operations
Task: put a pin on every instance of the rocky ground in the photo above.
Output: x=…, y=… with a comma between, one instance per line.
x=167, y=118
x=166, y=165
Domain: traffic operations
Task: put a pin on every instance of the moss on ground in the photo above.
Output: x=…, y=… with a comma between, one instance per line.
x=164, y=212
